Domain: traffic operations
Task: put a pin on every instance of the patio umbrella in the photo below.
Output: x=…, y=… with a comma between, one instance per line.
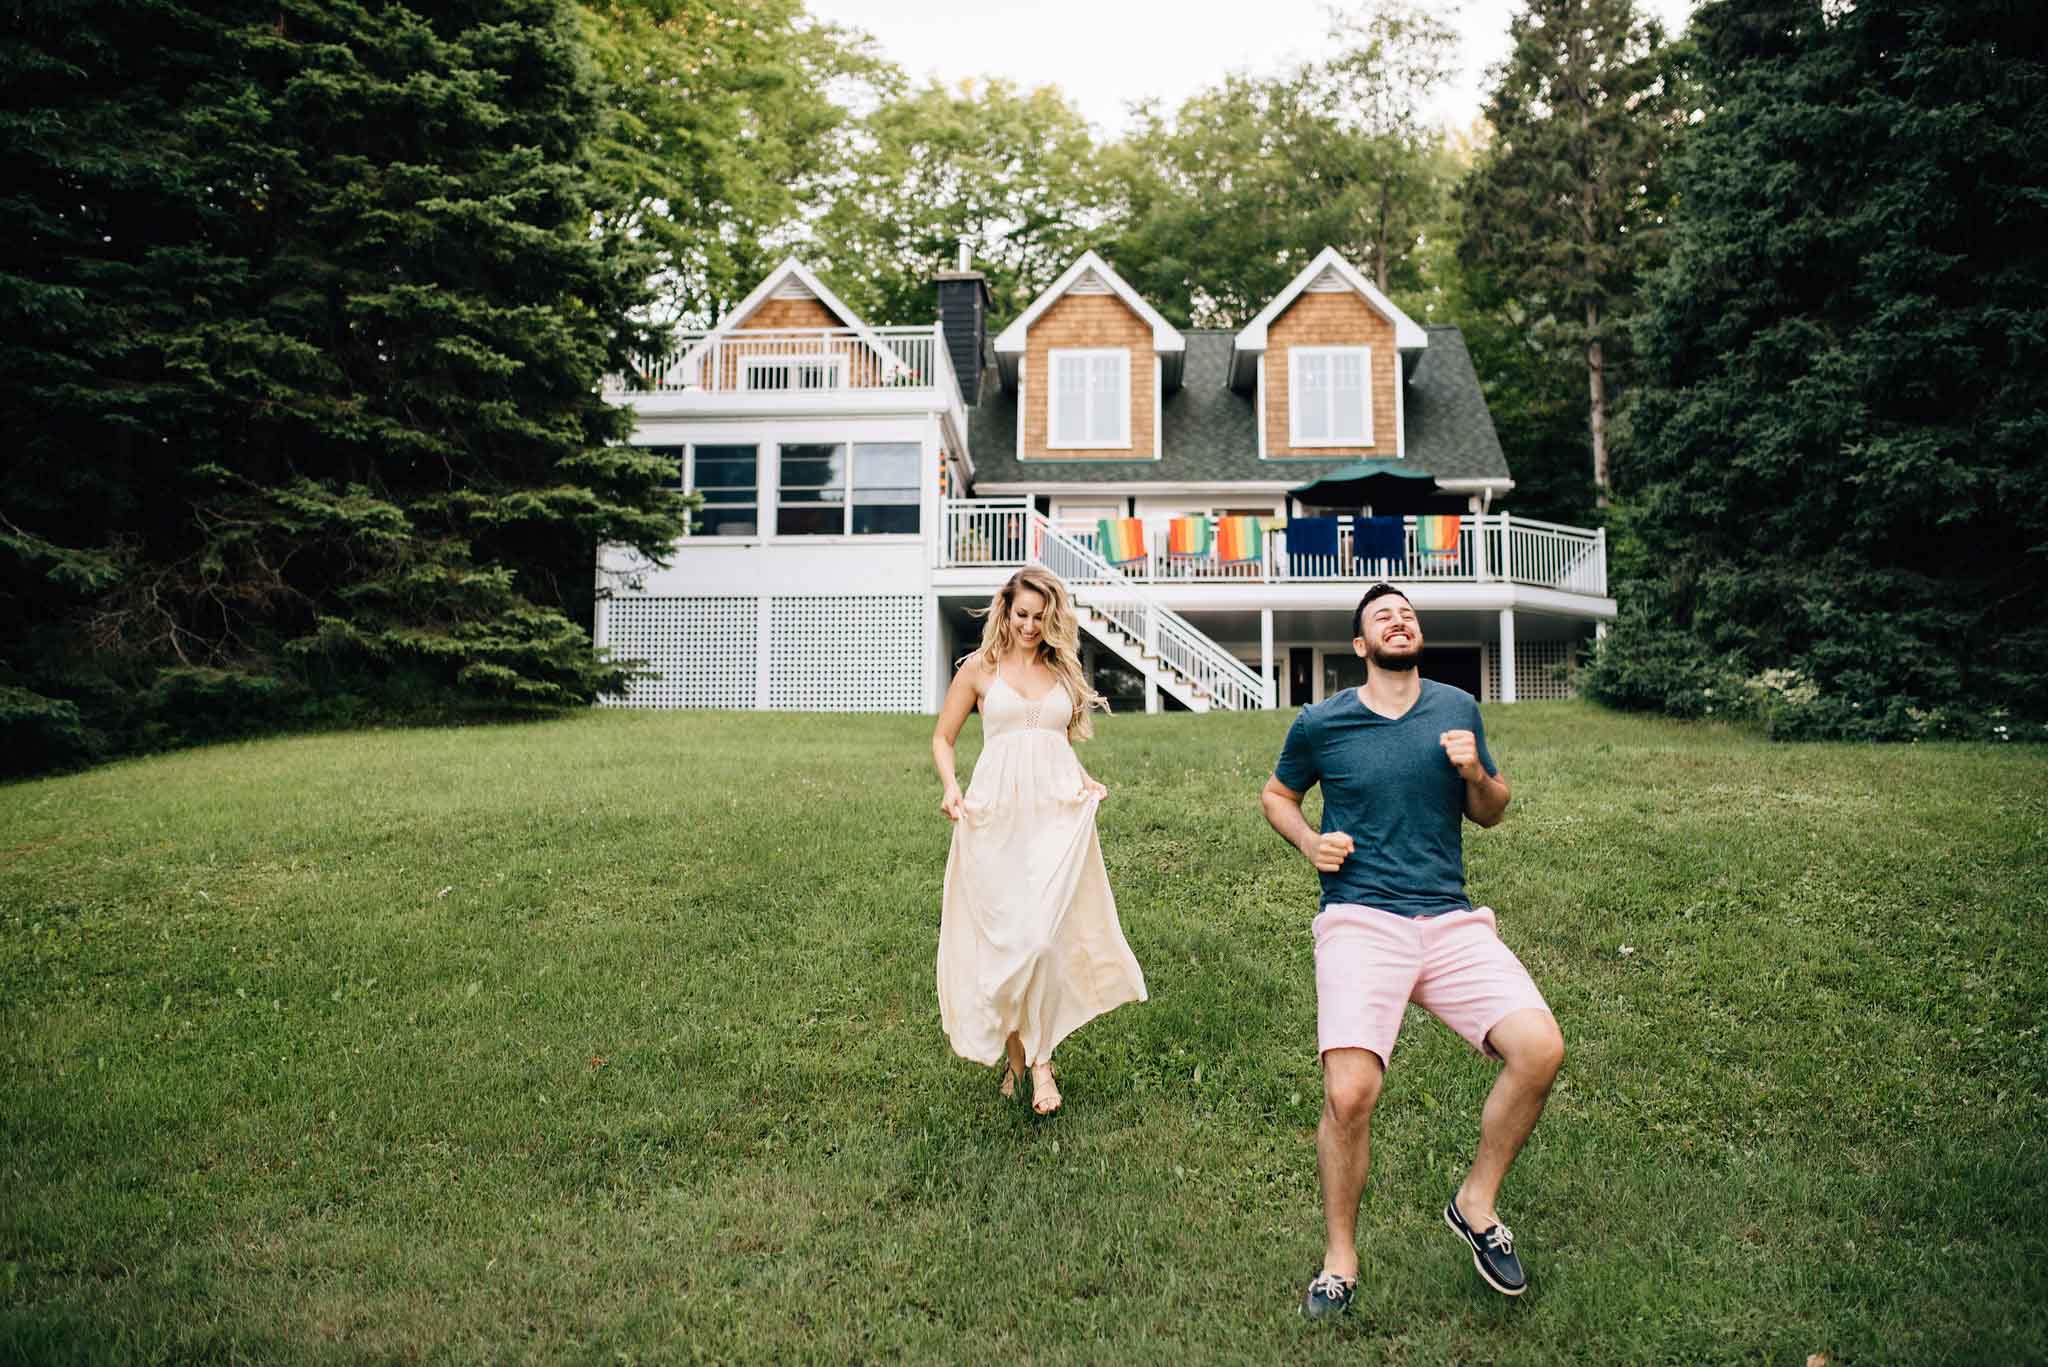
x=1362, y=482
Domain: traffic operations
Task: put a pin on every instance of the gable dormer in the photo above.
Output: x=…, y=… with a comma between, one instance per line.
x=1327, y=362
x=792, y=335
x=1090, y=362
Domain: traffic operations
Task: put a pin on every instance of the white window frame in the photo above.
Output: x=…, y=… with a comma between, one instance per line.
x=1087, y=357
x=852, y=486
x=690, y=486
x=1297, y=354
x=831, y=363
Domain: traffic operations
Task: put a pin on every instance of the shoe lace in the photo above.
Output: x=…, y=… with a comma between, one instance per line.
x=1501, y=1239
x=1330, y=1286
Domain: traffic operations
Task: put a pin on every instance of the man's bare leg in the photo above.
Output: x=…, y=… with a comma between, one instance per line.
x=1351, y=1088
x=1531, y=1051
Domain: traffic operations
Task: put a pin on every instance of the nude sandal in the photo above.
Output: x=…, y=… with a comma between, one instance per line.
x=1045, y=1098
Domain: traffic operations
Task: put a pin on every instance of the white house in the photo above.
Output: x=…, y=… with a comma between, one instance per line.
x=1216, y=500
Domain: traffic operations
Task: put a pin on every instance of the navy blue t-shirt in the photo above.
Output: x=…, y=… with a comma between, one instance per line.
x=1388, y=784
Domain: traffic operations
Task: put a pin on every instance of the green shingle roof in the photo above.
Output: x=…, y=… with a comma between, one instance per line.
x=1211, y=432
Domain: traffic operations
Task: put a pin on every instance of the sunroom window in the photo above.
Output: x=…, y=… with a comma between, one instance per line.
x=881, y=498
x=729, y=479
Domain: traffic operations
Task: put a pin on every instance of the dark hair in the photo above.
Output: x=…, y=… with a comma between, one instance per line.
x=1376, y=591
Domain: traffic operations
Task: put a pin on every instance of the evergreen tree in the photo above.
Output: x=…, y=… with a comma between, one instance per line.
x=1565, y=207
x=1834, y=470
x=303, y=321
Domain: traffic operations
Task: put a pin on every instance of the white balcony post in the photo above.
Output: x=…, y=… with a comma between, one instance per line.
x=1507, y=549
x=1600, y=561
x=1266, y=656
x=1480, y=569
x=1151, y=657
x=1507, y=653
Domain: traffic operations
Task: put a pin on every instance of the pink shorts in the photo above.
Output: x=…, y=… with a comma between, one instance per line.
x=1371, y=964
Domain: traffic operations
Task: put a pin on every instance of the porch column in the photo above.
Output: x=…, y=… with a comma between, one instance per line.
x=1507, y=654
x=1151, y=657
x=1480, y=570
x=1266, y=657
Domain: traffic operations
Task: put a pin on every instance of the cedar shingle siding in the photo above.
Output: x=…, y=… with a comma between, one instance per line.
x=1319, y=320
x=1210, y=433
x=791, y=313
x=1087, y=322
x=860, y=367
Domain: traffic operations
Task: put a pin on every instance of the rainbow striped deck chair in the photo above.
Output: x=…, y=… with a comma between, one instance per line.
x=1240, y=539
x=1436, y=536
x=1120, y=540
x=1189, y=538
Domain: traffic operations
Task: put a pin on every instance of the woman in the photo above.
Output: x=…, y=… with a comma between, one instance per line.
x=1029, y=945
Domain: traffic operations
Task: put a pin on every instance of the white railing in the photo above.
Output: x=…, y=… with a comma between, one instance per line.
x=1550, y=556
x=985, y=531
x=1008, y=531
x=794, y=361
x=1489, y=549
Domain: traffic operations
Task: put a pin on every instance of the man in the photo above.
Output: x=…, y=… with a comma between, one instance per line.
x=1401, y=760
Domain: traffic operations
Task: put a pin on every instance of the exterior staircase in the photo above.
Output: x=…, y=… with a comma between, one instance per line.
x=1128, y=620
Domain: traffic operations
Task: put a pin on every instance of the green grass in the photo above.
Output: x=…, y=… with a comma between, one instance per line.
x=616, y=1037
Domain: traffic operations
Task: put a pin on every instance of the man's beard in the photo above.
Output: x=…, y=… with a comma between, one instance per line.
x=1395, y=664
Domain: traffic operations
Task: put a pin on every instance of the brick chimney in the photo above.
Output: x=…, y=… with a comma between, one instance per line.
x=963, y=312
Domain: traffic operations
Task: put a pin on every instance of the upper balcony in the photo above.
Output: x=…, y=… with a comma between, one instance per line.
x=741, y=371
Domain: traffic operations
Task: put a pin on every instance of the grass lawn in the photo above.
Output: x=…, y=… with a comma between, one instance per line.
x=615, y=1038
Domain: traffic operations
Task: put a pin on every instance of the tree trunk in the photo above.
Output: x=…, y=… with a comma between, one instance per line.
x=1596, y=375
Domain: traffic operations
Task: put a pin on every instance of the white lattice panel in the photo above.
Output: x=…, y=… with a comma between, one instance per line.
x=705, y=649
x=848, y=653
x=1535, y=664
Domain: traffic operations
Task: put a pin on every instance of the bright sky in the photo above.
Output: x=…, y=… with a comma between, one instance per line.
x=1107, y=53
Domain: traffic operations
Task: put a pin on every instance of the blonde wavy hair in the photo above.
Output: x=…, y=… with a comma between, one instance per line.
x=1059, y=641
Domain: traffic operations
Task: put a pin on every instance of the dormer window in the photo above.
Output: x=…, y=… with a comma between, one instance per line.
x=1091, y=399
x=1329, y=398
x=799, y=373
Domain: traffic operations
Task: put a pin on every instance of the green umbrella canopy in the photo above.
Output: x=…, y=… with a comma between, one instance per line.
x=1356, y=484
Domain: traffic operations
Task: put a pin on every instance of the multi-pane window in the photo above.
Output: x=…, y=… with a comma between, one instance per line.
x=813, y=490
x=1090, y=394
x=885, y=493
x=786, y=373
x=1328, y=397
x=729, y=478
x=882, y=496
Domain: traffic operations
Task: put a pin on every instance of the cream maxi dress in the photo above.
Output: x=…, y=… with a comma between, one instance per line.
x=1028, y=938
